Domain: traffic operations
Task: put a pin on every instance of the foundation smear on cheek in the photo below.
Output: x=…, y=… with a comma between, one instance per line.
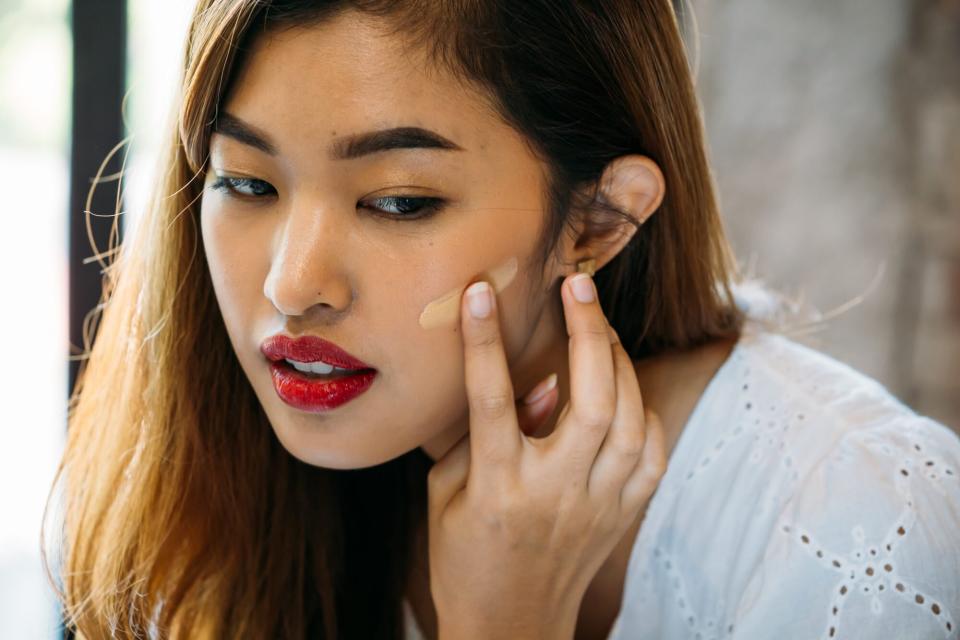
x=445, y=310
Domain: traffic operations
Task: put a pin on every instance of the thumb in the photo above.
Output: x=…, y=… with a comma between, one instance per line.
x=534, y=408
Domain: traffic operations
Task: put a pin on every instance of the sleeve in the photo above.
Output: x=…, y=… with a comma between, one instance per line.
x=868, y=546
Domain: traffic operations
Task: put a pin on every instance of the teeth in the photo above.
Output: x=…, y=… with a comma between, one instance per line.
x=321, y=368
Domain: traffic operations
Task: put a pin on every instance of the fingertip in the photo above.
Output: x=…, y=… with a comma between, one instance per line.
x=653, y=427
x=480, y=300
x=542, y=389
x=652, y=418
x=568, y=286
x=533, y=415
x=655, y=450
x=582, y=287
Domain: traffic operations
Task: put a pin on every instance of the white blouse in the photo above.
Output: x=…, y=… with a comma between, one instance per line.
x=802, y=500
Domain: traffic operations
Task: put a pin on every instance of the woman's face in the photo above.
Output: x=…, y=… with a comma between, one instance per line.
x=314, y=243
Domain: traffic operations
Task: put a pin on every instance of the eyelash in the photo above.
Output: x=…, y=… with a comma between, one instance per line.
x=429, y=207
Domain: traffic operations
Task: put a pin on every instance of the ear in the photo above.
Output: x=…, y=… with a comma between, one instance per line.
x=634, y=184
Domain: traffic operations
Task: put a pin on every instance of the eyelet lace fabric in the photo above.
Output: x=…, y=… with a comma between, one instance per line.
x=802, y=500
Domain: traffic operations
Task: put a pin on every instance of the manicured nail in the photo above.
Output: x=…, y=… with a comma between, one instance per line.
x=541, y=389
x=479, y=299
x=582, y=285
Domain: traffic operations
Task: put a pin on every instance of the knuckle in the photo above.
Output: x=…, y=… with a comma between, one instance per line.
x=660, y=466
x=492, y=405
x=596, y=325
x=630, y=444
x=655, y=469
x=593, y=422
x=591, y=333
x=595, y=417
x=486, y=340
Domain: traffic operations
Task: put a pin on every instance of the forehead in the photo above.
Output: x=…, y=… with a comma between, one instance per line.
x=348, y=75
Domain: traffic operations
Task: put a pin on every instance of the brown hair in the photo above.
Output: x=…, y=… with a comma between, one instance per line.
x=183, y=514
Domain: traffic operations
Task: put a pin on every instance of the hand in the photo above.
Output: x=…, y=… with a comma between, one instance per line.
x=519, y=526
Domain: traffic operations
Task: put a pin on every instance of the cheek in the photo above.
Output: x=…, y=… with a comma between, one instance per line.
x=516, y=317
x=236, y=257
x=430, y=362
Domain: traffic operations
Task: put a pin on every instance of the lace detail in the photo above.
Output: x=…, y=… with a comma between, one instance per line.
x=873, y=569
x=802, y=499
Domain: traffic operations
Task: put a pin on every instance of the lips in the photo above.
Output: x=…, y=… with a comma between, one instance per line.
x=317, y=395
x=308, y=393
x=309, y=349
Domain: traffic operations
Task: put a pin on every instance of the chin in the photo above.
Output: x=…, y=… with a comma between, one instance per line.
x=318, y=446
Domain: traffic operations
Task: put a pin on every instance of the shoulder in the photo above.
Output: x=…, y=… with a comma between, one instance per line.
x=773, y=411
x=803, y=497
x=865, y=543
x=821, y=401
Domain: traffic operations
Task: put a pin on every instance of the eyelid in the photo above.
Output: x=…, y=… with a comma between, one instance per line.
x=430, y=206
x=227, y=184
x=237, y=175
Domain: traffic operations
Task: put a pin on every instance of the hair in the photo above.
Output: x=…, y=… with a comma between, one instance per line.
x=183, y=514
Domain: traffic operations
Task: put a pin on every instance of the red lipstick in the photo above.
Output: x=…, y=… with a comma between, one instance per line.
x=311, y=391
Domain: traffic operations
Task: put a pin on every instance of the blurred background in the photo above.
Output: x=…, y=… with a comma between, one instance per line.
x=834, y=132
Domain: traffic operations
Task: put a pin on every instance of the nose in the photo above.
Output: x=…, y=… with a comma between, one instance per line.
x=307, y=269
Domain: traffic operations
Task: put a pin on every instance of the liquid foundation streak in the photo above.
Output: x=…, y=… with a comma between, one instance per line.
x=445, y=310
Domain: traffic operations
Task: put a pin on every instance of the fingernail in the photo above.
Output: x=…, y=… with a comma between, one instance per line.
x=541, y=389
x=479, y=299
x=582, y=285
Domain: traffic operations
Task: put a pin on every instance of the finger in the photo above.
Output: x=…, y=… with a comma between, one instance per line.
x=494, y=429
x=621, y=450
x=592, y=384
x=448, y=475
x=653, y=463
x=532, y=412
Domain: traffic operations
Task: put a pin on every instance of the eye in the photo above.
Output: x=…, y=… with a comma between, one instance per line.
x=395, y=207
x=235, y=187
x=406, y=207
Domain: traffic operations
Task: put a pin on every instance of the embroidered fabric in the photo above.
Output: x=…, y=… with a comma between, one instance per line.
x=802, y=500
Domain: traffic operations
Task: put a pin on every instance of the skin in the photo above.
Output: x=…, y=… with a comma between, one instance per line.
x=445, y=310
x=315, y=256
x=672, y=384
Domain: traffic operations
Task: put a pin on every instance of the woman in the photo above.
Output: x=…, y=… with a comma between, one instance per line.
x=296, y=421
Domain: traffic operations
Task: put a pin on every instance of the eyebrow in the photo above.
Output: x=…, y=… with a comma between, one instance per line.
x=345, y=147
